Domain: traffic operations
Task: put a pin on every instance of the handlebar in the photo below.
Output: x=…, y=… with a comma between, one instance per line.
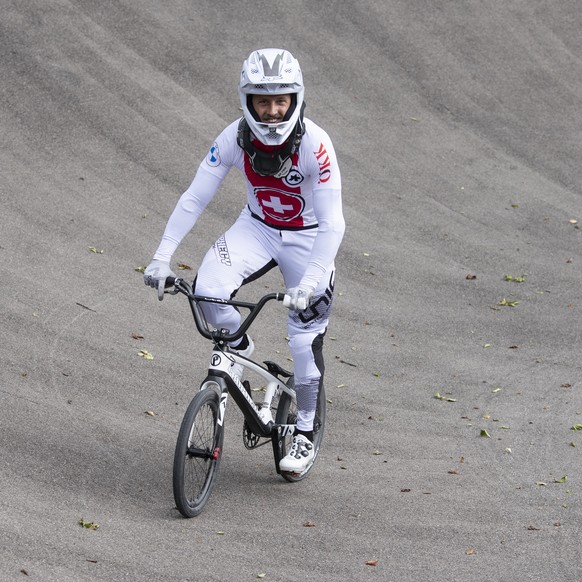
x=223, y=335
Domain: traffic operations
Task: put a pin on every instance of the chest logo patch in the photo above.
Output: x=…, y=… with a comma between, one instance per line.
x=278, y=205
x=293, y=178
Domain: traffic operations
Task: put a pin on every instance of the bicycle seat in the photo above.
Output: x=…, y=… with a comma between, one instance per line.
x=276, y=370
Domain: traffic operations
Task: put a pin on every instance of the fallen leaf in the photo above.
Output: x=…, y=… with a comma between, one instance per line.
x=562, y=479
x=533, y=528
x=453, y=472
x=140, y=269
x=372, y=563
x=484, y=433
x=184, y=267
x=471, y=277
x=308, y=524
x=576, y=427
x=439, y=396
x=88, y=524
x=136, y=336
x=519, y=279
x=506, y=303
x=145, y=355
x=150, y=413
x=470, y=551
x=94, y=250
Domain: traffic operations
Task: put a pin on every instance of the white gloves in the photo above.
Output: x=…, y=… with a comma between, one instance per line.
x=297, y=298
x=156, y=274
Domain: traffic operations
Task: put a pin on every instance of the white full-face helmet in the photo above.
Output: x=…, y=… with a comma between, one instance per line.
x=271, y=72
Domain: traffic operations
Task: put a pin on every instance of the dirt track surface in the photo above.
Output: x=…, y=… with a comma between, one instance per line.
x=458, y=129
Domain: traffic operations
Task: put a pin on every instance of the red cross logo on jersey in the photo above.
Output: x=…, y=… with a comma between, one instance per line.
x=279, y=207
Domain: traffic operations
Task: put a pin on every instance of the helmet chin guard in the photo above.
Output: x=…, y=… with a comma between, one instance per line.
x=278, y=162
x=272, y=72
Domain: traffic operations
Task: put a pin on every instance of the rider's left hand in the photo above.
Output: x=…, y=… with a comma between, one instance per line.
x=297, y=298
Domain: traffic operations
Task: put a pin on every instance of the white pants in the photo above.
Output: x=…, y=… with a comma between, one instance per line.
x=248, y=250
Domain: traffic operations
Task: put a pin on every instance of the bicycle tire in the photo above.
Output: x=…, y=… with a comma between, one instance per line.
x=198, y=454
x=287, y=414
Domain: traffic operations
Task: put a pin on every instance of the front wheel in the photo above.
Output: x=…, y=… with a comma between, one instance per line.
x=198, y=453
x=287, y=414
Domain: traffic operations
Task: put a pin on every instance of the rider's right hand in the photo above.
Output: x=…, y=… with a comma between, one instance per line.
x=156, y=274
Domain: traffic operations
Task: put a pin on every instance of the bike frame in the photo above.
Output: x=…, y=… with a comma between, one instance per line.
x=220, y=375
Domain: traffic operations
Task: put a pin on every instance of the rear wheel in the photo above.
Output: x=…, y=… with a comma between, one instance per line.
x=198, y=453
x=287, y=414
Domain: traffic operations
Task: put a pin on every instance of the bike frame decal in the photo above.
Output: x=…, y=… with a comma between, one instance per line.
x=219, y=362
x=222, y=408
x=242, y=390
x=286, y=430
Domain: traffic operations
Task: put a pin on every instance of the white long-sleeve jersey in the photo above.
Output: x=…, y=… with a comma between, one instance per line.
x=309, y=197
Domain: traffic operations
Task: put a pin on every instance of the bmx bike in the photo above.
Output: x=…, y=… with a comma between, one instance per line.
x=199, y=446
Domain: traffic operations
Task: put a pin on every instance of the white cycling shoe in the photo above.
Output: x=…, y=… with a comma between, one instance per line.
x=238, y=369
x=299, y=457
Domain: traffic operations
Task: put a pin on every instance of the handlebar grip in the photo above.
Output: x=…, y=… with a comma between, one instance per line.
x=301, y=302
x=168, y=282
